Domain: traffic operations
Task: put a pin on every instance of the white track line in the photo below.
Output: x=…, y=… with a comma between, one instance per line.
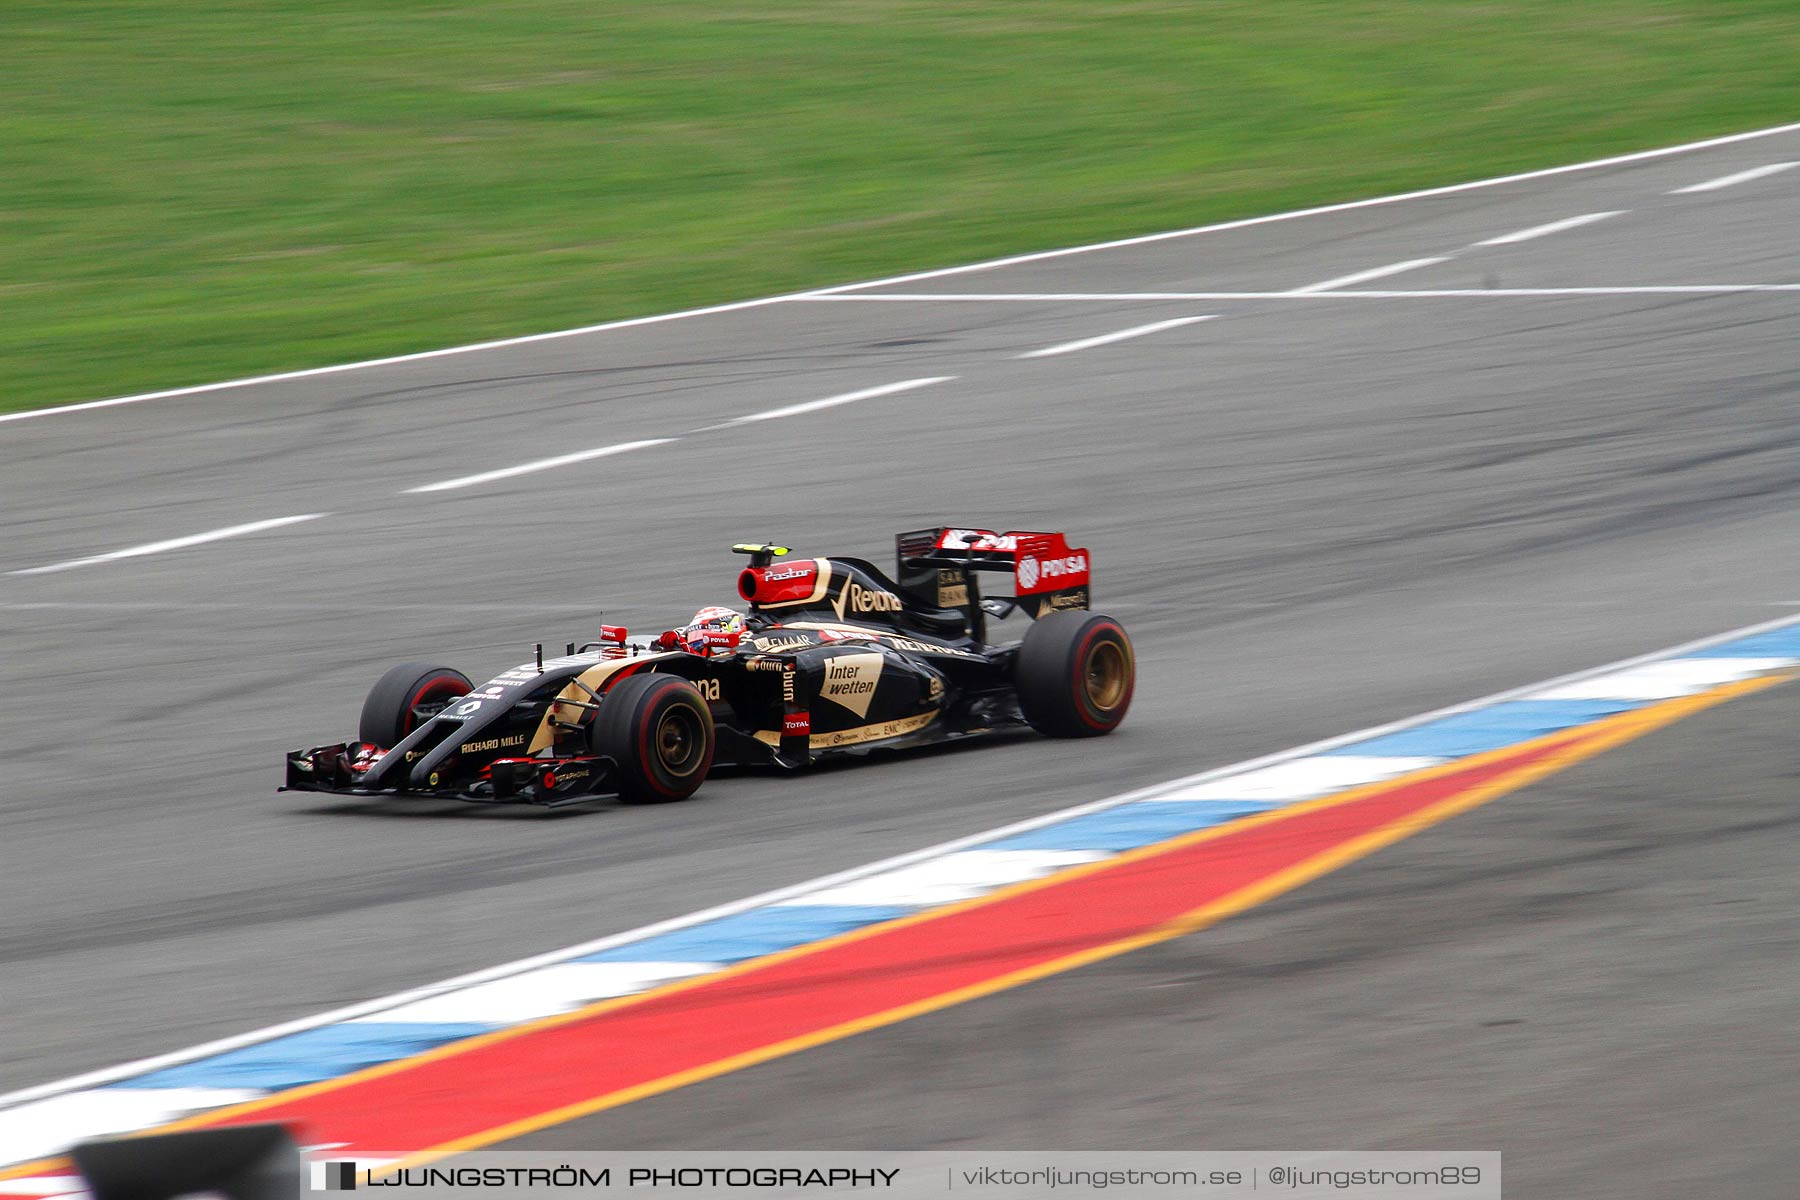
x=391, y=360
x=1675, y=289
x=1108, y=338
x=1344, y=281
x=193, y=539
x=335, y=1016
x=1725, y=181
x=1347, y=206
x=542, y=464
x=1013, y=260
x=1538, y=231
x=794, y=410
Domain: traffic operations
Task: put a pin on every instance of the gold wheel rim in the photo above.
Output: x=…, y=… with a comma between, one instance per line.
x=1107, y=676
x=679, y=741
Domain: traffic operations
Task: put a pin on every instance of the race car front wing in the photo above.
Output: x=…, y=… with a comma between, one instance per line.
x=549, y=782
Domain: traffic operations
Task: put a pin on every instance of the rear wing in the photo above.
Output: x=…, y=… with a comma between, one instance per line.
x=1048, y=575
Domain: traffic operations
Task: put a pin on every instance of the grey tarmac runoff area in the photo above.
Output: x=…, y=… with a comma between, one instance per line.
x=1598, y=976
x=1314, y=513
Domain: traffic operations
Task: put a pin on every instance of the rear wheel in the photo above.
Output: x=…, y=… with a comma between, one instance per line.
x=660, y=732
x=405, y=698
x=1075, y=674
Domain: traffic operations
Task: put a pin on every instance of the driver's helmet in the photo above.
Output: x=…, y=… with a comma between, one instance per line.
x=713, y=630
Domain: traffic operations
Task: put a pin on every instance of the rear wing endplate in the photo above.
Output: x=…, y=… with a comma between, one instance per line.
x=1048, y=574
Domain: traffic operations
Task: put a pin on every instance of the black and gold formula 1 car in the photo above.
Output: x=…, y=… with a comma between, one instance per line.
x=830, y=657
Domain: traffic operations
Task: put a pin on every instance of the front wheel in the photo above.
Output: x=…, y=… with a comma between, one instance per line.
x=1075, y=674
x=407, y=697
x=660, y=732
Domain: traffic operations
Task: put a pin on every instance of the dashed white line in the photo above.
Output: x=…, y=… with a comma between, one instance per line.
x=1107, y=338
x=395, y=359
x=193, y=539
x=794, y=410
x=1725, y=181
x=1344, y=281
x=1619, y=160
x=542, y=464
x=1538, y=231
x=1616, y=160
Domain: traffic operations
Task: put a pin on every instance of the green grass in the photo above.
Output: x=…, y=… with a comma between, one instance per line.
x=193, y=190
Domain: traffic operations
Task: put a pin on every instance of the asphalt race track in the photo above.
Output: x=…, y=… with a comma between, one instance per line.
x=1598, y=975
x=1314, y=513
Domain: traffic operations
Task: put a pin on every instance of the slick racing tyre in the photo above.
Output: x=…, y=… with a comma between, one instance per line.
x=405, y=698
x=660, y=732
x=1075, y=674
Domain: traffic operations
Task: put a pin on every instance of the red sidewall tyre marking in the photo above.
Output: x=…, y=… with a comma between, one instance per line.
x=645, y=757
x=446, y=685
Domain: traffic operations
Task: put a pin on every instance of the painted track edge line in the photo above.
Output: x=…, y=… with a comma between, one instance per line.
x=1602, y=734
x=157, y=1062
x=1560, y=750
x=1652, y=289
x=1036, y=256
x=1616, y=160
x=1554, y=742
